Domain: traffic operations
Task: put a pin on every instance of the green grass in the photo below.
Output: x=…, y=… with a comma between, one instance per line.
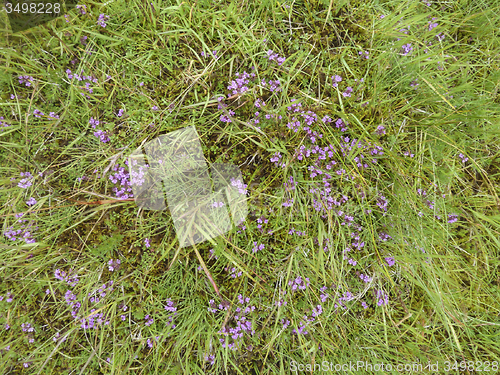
x=443, y=289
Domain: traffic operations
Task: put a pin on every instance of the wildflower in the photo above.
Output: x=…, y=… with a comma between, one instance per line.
x=102, y=135
x=27, y=80
x=210, y=358
x=274, y=56
x=146, y=242
x=101, y=20
x=120, y=112
x=432, y=25
x=155, y=108
x=31, y=201
x=26, y=181
x=257, y=247
x=383, y=298
x=440, y=37
x=38, y=113
x=463, y=158
x=390, y=261
x=407, y=48
x=380, y=130
x=336, y=79
x=83, y=40
x=452, y=218
x=347, y=92
x=114, y=264
x=82, y=9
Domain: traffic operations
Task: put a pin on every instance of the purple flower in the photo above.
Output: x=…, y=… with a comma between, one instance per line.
x=390, y=261
x=114, y=264
x=146, y=242
x=210, y=358
x=155, y=108
x=120, y=112
x=83, y=40
x=298, y=283
x=347, y=92
x=102, y=135
x=380, y=130
x=463, y=158
x=336, y=79
x=170, y=306
x=274, y=56
x=26, y=181
x=383, y=298
x=82, y=9
x=440, y=37
x=31, y=201
x=102, y=20
x=407, y=48
x=257, y=247
x=38, y=113
x=452, y=218
x=27, y=80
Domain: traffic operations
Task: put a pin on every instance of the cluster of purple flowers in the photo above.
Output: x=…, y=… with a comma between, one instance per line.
x=239, y=85
x=101, y=21
x=235, y=273
x=259, y=103
x=122, y=176
x=71, y=279
x=114, y=264
x=24, y=232
x=407, y=48
x=452, y=218
x=273, y=85
x=27, y=80
x=382, y=298
x=380, y=130
x=299, y=283
x=365, y=278
x=336, y=79
x=82, y=78
x=150, y=342
x=3, y=124
x=27, y=181
x=82, y=9
x=347, y=92
x=242, y=188
x=102, y=135
x=9, y=296
x=275, y=57
x=242, y=325
x=347, y=296
x=364, y=54
x=390, y=261
x=432, y=25
x=463, y=158
x=276, y=159
x=26, y=327
x=257, y=247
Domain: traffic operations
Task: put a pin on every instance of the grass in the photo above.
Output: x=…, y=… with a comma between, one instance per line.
x=432, y=279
